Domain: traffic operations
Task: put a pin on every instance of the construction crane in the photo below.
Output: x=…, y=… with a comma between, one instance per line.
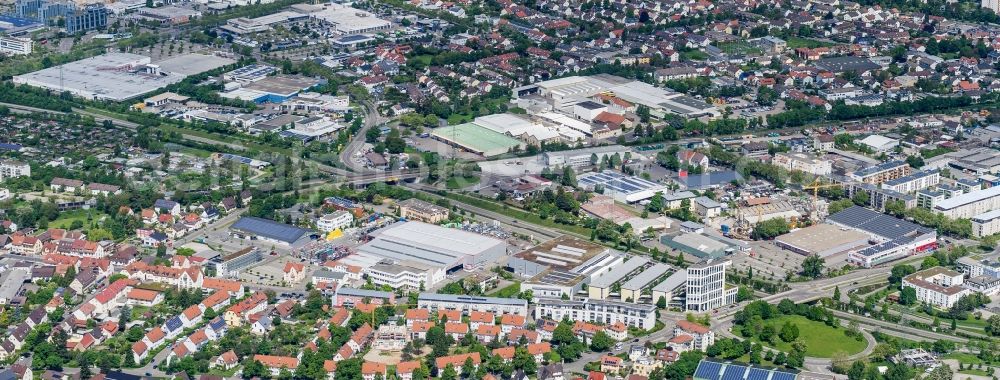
x=815, y=186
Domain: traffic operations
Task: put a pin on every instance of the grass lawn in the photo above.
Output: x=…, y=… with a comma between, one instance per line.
x=694, y=55
x=508, y=291
x=821, y=341
x=738, y=47
x=66, y=219
x=459, y=118
x=963, y=358
x=974, y=372
x=455, y=183
x=798, y=42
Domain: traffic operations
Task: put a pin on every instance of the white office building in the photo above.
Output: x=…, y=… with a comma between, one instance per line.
x=970, y=204
x=15, y=46
x=938, y=286
x=468, y=304
x=986, y=224
x=401, y=276
x=339, y=219
x=641, y=316
x=13, y=169
x=706, y=286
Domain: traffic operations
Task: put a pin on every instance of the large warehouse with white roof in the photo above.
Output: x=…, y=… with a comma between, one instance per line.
x=434, y=246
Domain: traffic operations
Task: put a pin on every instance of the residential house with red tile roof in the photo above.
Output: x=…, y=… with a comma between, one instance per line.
x=293, y=273
x=276, y=363
x=370, y=369
x=457, y=361
x=404, y=370
x=701, y=336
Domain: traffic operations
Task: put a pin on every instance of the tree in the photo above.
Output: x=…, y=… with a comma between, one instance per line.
x=856, y=371
x=860, y=198
x=769, y=229
x=908, y=296
x=661, y=302
x=929, y=262
x=812, y=266
x=899, y=271
x=836, y=294
x=789, y=332
x=601, y=342
x=251, y=369
x=568, y=177
x=993, y=325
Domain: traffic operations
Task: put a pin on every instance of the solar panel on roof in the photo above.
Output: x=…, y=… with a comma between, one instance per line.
x=778, y=375
x=734, y=372
x=174, y=323
x=708, y=371
x=758, y=374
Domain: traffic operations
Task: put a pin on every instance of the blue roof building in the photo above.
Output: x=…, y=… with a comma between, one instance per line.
x=262, y=229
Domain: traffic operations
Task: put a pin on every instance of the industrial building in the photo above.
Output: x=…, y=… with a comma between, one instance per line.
x=621, y=187
x=476, y=139
x=641, y=316
x=562, y=266
x=710, y=370
x=253, y=228
x=702, y=245
x=986, y=224
x=879, y=144
x=600, y=287
x=706, y=286
x=418, y=210
x=520, y=128
x=345, y=20
x=822, y=239
x=565, y=93
x=671, y=288
x=432, y=246
x=578, y=158
x=272, y=89
x=469, y=304
x=706, y=181
x=633, y=288
x=970, y=204
x=893, y=238
x=231, y=264
x=979, y=160
x=111, y=76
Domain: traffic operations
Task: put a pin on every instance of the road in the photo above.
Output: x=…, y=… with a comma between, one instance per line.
x=372, y=119
x=542, y=233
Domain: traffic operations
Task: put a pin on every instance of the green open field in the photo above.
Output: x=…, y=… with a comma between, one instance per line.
x=508, y=291
x=799, y=42
x=821, y=341
x=963, y=358
x=739, y=47
x=455, y=183
x=66, y=219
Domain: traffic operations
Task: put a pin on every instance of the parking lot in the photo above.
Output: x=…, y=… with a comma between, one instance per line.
x=271, y=271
